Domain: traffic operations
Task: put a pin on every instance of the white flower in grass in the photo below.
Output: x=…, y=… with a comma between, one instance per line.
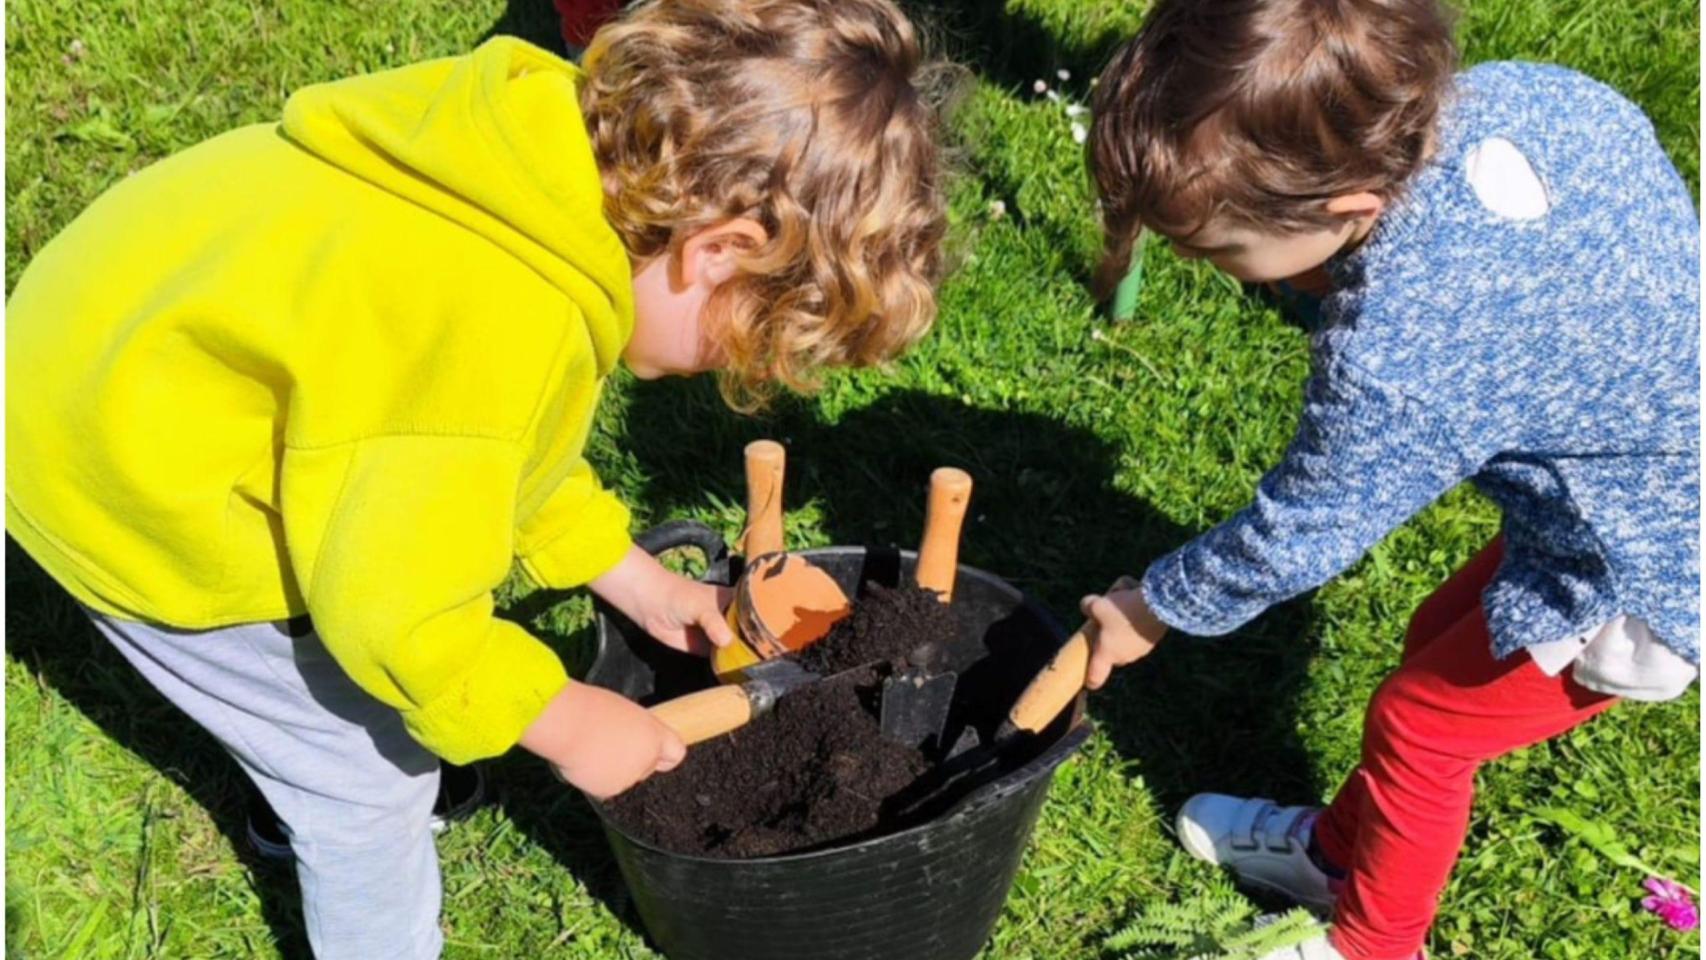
x=1039, y=87
x=997, y=209
x=1074, y=109
x=1063, y=74
x=1079, y=134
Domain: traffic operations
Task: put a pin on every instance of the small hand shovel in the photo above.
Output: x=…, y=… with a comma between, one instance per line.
x=710, y=713
x=1042, y=700
x=917, y=698
x=782, y=603
x=1056, y=684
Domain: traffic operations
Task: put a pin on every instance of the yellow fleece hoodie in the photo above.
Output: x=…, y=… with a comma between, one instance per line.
x=346, y=366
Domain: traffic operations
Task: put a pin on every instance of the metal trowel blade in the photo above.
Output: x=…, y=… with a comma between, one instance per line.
x=915, y=706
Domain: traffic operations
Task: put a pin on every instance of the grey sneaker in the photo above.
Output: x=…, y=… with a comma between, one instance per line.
x=1266, y=845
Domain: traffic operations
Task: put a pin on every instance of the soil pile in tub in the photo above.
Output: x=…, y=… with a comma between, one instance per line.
x=815, y=769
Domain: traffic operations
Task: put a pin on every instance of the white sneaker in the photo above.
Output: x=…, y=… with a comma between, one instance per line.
x=1264, y=844
x=1315, y=948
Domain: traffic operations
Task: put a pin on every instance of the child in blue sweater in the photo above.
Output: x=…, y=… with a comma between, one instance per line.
x=1506, y=272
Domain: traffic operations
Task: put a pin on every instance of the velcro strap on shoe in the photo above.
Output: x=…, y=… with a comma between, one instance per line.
x=1281, y=830
x=1251, y=814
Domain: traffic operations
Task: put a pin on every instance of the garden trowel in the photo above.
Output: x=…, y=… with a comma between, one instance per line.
x=1049, y=692
x=783, y=603
x=916, y=699
x=712, y=712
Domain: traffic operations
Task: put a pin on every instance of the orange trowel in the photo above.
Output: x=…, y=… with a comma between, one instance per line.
x=782, y=604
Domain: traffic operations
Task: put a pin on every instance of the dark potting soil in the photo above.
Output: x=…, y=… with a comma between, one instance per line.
x=817, y=768
x=898, y=627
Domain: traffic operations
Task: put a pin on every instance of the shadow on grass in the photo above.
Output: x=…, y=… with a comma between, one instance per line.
x=49, y=634
x=1005, y=47
x=535, y=21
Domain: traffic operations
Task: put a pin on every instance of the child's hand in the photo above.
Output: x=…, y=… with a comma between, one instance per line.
x=1126, y=630
x=676, y=611
x=601, y=742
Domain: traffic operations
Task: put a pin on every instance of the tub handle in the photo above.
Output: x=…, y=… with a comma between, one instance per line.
x=684, y=533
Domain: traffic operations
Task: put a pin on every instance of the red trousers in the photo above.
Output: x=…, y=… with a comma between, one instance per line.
x=1398, y=823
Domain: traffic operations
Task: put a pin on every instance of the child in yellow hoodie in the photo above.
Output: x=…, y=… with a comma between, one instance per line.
x=283, y=409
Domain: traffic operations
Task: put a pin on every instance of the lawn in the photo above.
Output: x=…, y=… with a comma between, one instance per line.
x=1095, y=447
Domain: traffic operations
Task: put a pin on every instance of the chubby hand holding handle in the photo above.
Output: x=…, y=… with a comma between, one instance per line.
x=944, y=514
x=1055, y=686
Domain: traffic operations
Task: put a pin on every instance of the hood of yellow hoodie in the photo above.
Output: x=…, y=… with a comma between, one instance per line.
x=493, y=141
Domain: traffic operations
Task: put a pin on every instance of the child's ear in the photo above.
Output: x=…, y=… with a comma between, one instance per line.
x=1356, y=205
x=709, y=257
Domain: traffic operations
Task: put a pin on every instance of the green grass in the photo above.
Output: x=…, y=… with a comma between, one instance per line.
x=1093, y=454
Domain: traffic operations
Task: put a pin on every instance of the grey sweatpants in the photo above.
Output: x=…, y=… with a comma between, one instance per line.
x=354, y=791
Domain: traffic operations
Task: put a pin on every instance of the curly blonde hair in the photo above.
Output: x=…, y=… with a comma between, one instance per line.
x=816, y=119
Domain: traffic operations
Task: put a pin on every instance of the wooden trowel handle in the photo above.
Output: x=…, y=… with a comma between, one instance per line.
x=1056, y=685
x=939, y=553
x=700, y=716
x=765, y=460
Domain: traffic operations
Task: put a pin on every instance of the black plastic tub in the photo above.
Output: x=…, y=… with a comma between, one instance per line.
x=929, y=890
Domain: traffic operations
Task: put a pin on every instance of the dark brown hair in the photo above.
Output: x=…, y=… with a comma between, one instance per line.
x=1257, y=111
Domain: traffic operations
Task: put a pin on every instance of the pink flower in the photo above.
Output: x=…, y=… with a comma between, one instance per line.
x=1670, y=900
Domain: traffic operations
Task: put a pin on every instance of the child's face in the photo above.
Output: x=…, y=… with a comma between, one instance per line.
x=671, y=334
x=1256, y=256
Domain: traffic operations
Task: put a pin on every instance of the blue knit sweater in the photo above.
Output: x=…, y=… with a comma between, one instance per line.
x=1553, y=361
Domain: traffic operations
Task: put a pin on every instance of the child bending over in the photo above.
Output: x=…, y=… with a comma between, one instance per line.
x=1507, y=272
x=283, y=408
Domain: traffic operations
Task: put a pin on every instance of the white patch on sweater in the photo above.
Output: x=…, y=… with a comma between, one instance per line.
x=1504, y=181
